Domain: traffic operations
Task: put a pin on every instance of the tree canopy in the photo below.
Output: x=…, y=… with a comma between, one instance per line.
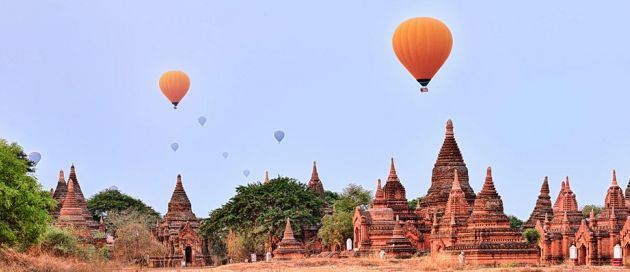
x=24, y=204
x=112, y=200
x=258, y=213
x=515, y=222
x=586, y=210
x=337, y=227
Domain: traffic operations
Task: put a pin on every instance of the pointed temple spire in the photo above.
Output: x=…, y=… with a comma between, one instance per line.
x=61, y=190
x=379, y=190
x=556, y=204
x=456, y=206
x=394, y=192
x=449, y=158
x=288, y=231
x=488, y=206
x=266, y=177
x=614, y=198
x=77, y=188
x=456, y=184
x=543, y=206
x=392, y=172
x=315, y=184
x=544, y=189
x=567, y=185
x=179, y=207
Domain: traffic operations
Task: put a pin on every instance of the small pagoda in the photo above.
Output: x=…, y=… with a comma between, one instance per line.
x=289, y=247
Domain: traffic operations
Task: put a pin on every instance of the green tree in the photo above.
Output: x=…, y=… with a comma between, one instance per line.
x=531, y=236
x=258, y=212
x=337, y=227
x=110, y=200
x=515, y=223
x=24, y=205
x=331, y=196
x=414, y=202
x=586, y=210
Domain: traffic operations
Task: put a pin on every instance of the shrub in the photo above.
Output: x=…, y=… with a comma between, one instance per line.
x=59, y=242
x=531, y=236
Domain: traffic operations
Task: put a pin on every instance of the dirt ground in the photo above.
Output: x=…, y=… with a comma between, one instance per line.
x=366, y=264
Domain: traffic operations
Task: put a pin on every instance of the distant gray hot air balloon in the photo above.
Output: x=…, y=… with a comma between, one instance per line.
x=225, y=155
x=34, y=157
x=246, y=173
x=202, y=120
x=174, y=146
x=279, y=135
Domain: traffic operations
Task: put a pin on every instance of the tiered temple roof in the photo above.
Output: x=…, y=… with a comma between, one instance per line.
x=179, y=208
x=543, y=207
x=72, y=207
x=566, y=204
x=456, y=207
x=488, y=207
x=59, y=194
x=449, y=159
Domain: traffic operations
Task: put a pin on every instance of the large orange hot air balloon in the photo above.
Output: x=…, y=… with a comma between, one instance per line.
x=422, y=45
x=174, y=85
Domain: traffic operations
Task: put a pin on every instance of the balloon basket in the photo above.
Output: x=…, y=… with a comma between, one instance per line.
x=424, y=90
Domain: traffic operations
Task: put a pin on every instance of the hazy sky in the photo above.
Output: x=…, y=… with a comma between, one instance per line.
x=534, y=89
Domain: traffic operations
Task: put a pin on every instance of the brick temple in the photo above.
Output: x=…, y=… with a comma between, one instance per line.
x=71, y=210
x=452, y=219
x=178, y=231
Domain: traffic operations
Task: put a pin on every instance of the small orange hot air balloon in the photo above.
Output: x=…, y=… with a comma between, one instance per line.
x=174, y=85
x=422, y=45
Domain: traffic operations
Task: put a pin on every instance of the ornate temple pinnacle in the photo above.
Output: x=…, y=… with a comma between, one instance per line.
x=449, y=128
x=456, y=184
x=61, y=176
x=392, y=169
x=544, y=189
x=614, y=178
x=266, y=177
x=314, y=174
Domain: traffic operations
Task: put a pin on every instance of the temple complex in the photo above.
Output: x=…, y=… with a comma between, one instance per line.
x=289, y=247
x=71, y=208
x=450, y=218
x=178, y=231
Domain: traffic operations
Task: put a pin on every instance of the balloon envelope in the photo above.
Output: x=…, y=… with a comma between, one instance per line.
x=246, y=173
x=174, y=85
x=422, y=45
x=225, y=155
x=279, y=135
x=34, y=157
x=201, y=120
x=174, y=146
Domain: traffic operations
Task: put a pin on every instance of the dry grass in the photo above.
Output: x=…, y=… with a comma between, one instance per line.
x=438, y=263
x=11, y=261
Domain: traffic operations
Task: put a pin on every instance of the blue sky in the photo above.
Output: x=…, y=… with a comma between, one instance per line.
x=534, y=89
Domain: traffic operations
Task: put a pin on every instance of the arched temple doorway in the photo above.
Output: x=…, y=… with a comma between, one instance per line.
x=582, y=255
x=188, y=253
x=357, y=237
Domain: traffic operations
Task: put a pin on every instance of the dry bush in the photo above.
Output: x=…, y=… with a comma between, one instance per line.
x=134, y=246
x=36, y=261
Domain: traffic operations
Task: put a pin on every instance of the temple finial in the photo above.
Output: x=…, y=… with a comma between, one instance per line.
x=489, y=172
x=392, y=169
x=314, y=174
x=61, y=176
x=614, y=178
x=449, y=128
x=456, y=184
x=567, y=186
x=266, y=177
x=544, y=189
x=179, y=178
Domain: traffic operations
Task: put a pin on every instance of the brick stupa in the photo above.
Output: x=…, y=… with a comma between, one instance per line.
x=543, y=207
x=59, y=194
x=488, y=238
x=398, y=246
x=289, y=247
x=449, y=159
